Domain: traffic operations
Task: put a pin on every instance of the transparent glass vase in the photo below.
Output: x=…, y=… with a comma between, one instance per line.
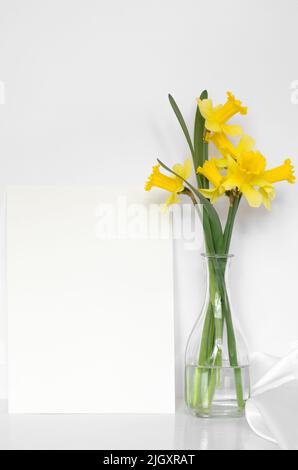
x=217, y=382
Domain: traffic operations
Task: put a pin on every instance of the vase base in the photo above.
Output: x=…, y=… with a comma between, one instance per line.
x=227, y=409
x=217, y=392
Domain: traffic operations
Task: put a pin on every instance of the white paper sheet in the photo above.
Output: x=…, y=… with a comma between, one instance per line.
x=90, y=320
x=272, y=409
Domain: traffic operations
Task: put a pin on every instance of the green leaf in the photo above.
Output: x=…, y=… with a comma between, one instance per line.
x=209, y=212
x=200, y=146
x=182, y=123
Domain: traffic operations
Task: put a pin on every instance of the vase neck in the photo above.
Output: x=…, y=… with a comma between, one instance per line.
x=218, y=265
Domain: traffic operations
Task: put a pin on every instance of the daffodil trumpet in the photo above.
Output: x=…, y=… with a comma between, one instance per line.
x=240, y=173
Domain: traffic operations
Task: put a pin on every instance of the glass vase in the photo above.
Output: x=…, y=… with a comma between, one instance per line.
x=217, y=382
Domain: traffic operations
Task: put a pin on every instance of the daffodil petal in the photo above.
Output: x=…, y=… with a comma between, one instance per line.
x=212, y=125
x=179, y=169
x=224, y=145
x=187, y=168
x=221, y=163
x=184, y=171
x=232, y=163
x=206, y=108
x=232, y=130
x=253, y=197
x=212, y=194
x=268, y=194
x=246, y=144
x=232, y=182
x=211, y=172
x=173, y=199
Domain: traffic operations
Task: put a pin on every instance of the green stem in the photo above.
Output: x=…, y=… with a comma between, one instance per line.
x=233, y=209
x=205, y=354
x=211, y=343
x=233, y=353
x=230, y=329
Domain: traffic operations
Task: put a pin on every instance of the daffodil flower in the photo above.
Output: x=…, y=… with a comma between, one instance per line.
x=217, y=117
x=246, y=174
x=250, y=177
x=173, y=185
x=212, y=173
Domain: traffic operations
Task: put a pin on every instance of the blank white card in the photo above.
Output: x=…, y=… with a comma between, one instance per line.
x=90, y=309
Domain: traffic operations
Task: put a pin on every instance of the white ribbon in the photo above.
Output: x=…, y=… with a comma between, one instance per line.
x=272, y=410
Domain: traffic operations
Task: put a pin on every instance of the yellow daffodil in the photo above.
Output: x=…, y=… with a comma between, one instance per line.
x=283, y=172
x=174, y=184
x=211, y=172
x=250, y=177
x=217, y=117
x=227, y=148
x=246, y=174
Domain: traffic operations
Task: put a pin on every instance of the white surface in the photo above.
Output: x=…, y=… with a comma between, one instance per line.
x=90, y=319
x=3, y=316
x=152, y=432
x=86, y=85
x=272, y=411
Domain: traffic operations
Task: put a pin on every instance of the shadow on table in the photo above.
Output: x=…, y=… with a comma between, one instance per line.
x=216, y=434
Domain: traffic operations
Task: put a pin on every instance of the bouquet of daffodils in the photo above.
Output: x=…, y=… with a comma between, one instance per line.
x=240, y=173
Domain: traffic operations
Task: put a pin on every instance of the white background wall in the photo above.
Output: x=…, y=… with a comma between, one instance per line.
x=86, y=85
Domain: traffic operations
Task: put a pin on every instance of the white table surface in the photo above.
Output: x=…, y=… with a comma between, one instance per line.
x=111, y=432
